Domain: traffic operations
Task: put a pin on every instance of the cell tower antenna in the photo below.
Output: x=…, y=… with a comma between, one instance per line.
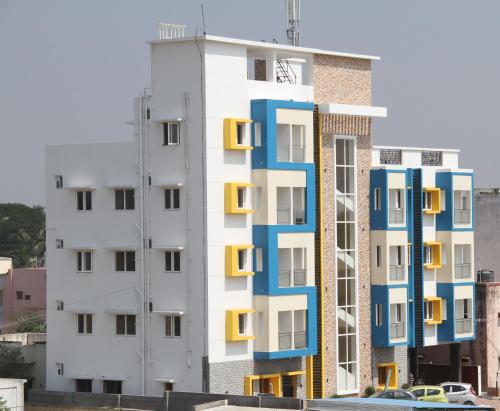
x=293, y=17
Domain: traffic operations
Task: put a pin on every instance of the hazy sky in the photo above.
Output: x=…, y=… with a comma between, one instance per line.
x=69, y=70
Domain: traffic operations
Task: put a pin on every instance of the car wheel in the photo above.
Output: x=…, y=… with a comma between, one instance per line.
x=468, y=403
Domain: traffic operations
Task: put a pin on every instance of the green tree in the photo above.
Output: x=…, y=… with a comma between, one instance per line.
x=12, y=364
x=3, y=405
x=22, y=234
x=30, y=322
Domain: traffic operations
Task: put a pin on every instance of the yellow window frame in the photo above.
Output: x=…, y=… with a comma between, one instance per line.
x=435, y=200
x=437, y=310
x=385, y=367
x=231, y=198
x=230, y=134
x=436, y=254
x=232, y=333
x=232, y=260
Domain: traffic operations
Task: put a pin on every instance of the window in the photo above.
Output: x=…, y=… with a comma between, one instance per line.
x=59, y=182
x=84, y=200
x=172, y=199
x=125, y=199
x=169, y=386
x=258, y=259
x=171, y=134
x=59, y=368
x=258, y=134
x=173, y=325
x=242, y=324
x=498, y=324
x=27, y=297
x=409, y=255
x=19, y=295
x=398, y=202
x=398, y=316
x=84, y=261
x=428, y=254
x=419, y=393
x=59, y=243
x=84, y=323
x=172, y=261
x=125, y=324
x=83, y=385
x=242, y=254
x=378, y=199
x=240, y=133
x=379, y=256
x=60, y=305
x=432, y=391
x=427, y=200
x=112, y=387
x=241, y=197
x=428, y=310
x=399, y=255
x=378, y=314
x=125, y=260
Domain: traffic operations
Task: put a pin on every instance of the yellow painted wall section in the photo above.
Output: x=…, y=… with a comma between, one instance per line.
x=383, y=372
x=231, y=198
x=436, y=254
x=309, y=377
x=230, y=141
x=232, y=260
x=232, y=324
x=437, y=310
x=436, y=200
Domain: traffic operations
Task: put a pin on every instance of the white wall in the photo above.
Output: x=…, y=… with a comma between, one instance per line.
x=12, y=392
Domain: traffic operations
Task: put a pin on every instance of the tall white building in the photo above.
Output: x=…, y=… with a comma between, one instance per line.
x=185, y=259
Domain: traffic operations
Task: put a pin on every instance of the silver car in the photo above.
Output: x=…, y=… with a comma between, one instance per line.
x=459, y=393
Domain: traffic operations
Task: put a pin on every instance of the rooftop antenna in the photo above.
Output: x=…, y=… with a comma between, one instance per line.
x=203, y=19
x=293, y=17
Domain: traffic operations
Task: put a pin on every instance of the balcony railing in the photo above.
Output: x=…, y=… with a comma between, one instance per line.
x=283, y=216
x=396, y=216
x=297, y=154
x=461, y=216
x=284, y=278
x=462, y=270
x=397, y=330
x=397, y=272
x=463, y=325
x=299, y=277
x=300, y=339
x=299, y=217
x=285, y=341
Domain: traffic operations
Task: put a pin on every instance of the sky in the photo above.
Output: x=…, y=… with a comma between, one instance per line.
x=69, y=70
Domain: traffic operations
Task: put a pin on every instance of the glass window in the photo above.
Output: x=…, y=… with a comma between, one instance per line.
x=419, y=393
x=172, y=261
x=125, y=324
x=125, y=260
x=173, y=325
x=83, y=385
x=241, y=197
x=241, y=324
x=84, y=200
x=171, y=134
x=84, y=261
x=125, y=199
x=172, y=199
x=432, y=391
x=84, y=323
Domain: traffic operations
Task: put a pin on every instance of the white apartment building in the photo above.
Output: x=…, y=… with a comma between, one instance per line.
x=184, y=259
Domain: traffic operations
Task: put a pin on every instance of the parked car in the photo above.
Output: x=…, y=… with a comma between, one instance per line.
x=429, y=393
x=459, y=392
x=395, y=395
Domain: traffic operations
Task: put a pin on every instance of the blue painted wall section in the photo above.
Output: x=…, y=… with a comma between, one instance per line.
x=265, y=282
x=444, y=220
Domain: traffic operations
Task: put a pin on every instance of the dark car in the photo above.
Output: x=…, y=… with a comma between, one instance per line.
x=394, y=395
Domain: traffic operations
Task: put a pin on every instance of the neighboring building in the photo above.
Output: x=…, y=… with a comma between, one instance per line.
x=189, y=253
x=24, y=292
x=5, y=266
x=33, y=349
x=485, y=350
x=422, y=258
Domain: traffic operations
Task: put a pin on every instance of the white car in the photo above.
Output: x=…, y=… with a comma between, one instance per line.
x=459, y=393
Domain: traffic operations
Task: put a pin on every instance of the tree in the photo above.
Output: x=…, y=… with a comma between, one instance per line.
x=30, y=322
x=12, y=364
x=3, y=405
x=22, y=234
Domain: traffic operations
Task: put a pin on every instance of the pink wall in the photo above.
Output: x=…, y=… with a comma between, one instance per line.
x=31, y=282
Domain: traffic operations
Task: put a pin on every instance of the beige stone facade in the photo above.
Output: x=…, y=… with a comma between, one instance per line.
x=344, y=81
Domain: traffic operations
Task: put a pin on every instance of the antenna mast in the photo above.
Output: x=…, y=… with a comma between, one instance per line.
x=293, y=17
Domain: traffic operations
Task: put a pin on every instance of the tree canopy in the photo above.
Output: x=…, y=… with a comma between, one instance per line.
x=22, y=234
x=12, y=364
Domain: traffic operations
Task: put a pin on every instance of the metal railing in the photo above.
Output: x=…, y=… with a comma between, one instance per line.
x=299, y=217
x=397, y=330
x=397, y=272
x=461, y=216
x=463, y=325
x=299, y=277
x=396, y=216
x=300, y=339
x=284, y=278
x=285, y=341
x=283, y=216
x=462, y=270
